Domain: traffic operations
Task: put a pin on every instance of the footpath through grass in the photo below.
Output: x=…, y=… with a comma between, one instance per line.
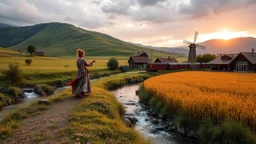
x=96, y=119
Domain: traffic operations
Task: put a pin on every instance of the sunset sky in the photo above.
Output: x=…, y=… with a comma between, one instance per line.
x=149, y=22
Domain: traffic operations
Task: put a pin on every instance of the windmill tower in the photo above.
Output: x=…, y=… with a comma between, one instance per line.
x=192, y=48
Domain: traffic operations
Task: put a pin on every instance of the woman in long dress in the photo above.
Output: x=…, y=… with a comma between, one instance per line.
x=82, y=83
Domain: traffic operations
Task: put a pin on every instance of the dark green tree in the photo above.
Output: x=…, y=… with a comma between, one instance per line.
x=112, y=64
x=205, y=58
x=28, y=61
x=14, y=73
x=31, y=49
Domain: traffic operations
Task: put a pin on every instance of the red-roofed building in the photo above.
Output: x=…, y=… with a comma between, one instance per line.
x=140, y=60
x=39, y=53
x=166, y=60
x=242, y=62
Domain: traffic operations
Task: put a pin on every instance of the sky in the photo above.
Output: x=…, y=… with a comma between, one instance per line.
x=162, y=23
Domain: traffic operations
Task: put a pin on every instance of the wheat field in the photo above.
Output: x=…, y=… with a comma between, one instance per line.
x=217, y=95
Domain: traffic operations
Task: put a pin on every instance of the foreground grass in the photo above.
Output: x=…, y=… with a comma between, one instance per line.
x=98, y=119
x=13, y=119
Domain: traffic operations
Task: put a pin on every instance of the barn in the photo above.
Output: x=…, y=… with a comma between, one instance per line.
x=241, y=62
x=166, y=60
x=39, y=53
x=140, y=60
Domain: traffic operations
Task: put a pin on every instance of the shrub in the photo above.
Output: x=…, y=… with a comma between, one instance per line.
x=124, y=68
x=16, y=93
x=112, y=64
x=28, y=61
x=44, y=89
x=3, y=100
x=14, y=73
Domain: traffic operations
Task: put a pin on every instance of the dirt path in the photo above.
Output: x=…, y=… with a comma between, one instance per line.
x=47, y=127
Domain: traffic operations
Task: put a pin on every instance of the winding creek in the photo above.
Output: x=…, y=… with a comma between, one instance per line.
x=152, y=128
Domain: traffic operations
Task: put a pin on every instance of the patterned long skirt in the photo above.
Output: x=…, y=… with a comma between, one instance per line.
x=82, y=85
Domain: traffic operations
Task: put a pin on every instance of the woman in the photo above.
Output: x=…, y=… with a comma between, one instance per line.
x=81, y=85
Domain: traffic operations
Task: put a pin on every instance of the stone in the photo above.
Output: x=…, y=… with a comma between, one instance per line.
x=44, y=101
x=160, y=128
x=127, y=122
x=133, y=120
x=130, y=103
x=155, y=121
x=137, y=92
x=191, y=134
x=181, y=130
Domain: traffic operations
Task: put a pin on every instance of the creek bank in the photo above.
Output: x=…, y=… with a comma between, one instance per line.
x=141, y=118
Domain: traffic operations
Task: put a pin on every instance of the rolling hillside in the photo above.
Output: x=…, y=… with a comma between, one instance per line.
x=236, y=45
x=59, y=39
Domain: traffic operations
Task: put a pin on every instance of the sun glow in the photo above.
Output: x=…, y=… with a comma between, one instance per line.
x=225, y=34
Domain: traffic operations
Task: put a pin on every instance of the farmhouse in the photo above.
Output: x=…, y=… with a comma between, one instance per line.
x=242, y=62
x=166, y=60
x=140, y=60
x=39, y=53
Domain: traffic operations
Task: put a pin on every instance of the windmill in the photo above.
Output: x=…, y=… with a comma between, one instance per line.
x=192, y=48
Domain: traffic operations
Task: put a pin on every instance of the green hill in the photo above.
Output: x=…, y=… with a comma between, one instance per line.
x=60, y=39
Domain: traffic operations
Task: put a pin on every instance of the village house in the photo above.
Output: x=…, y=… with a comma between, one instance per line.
x=242, y=62
x=140, y=60
x=39, y=53
x=166, y=60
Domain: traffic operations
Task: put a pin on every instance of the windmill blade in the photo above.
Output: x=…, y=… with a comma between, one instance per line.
x=187, y=42
x=201, y=46
x=195, y=36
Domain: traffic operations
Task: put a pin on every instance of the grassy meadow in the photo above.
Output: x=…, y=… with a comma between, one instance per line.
x=224, y=98
x=97, y=118
x=52, y=64
x=52, y=69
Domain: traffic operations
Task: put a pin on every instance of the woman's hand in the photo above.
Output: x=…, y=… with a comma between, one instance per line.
x=91, y=63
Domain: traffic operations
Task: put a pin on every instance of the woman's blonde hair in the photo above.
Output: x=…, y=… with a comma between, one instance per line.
x=80, y=53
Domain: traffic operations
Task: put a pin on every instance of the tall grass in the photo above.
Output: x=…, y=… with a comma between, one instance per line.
x=228, y=99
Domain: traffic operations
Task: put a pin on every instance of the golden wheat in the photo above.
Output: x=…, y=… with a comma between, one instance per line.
x=208, y=94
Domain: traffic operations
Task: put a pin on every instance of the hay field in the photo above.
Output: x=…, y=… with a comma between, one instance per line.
x=200, y=95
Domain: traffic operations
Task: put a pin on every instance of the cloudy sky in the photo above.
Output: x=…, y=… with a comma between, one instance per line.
x=149, y=22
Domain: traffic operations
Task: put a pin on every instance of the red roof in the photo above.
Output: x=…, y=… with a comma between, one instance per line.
x=166, y=60
x=142, y=54
x=138, y=59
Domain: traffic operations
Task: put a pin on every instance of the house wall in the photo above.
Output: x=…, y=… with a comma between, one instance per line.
x=137, y=65
x=241, y=58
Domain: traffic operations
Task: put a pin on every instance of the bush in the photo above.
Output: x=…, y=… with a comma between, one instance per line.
x=16, y=93
x=14, y=73
x=124, y=68
x=112, y=64
x=44, y=89
x=3, y=100
x=28, y=61
x=205, y=58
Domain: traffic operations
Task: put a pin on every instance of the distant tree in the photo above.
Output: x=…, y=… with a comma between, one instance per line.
x=28, y=61
x=112, y=64
x=205, y=58
x=14, y=73
x=31, y=49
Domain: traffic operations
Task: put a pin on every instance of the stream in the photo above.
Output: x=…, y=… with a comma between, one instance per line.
x=29, y=96
x=146, y=124
x=150, y=127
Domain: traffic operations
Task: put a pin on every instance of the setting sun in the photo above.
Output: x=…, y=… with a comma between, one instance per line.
x=225, y=34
